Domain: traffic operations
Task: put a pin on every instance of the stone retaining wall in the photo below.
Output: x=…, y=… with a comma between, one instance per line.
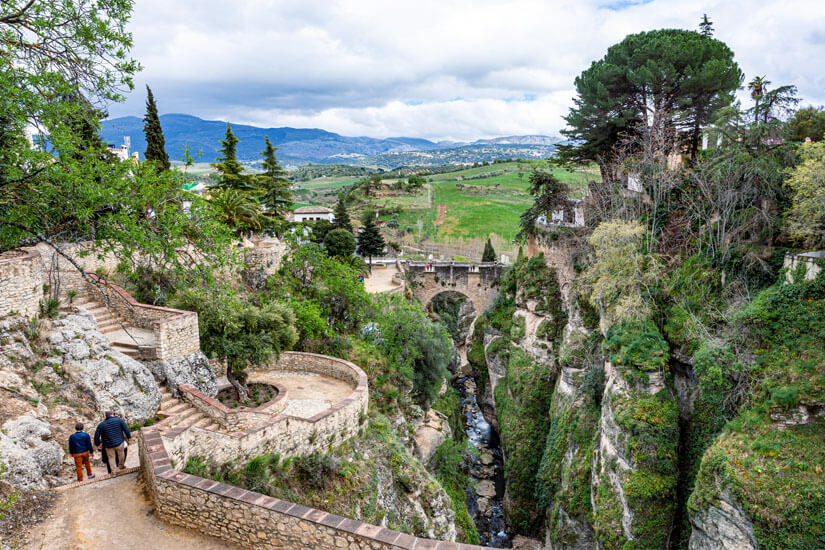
x=237, y=418
x=253, y=520
x=808, y=259
x=175, y=331
x=21, y=282
x=283, y=434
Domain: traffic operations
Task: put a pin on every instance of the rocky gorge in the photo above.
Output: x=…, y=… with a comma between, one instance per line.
x=611, y=443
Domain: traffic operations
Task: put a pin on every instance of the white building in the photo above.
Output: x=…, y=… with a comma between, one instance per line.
x=122, y=153
x=312, y=213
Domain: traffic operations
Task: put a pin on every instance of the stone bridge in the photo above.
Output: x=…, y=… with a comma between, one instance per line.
x=477, y=281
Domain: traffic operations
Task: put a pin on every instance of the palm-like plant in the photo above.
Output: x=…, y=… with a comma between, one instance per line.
x=237, y=210
x=758, y=87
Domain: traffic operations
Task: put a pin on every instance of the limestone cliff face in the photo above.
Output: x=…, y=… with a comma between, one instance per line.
x=635, y=461
x=723, y=526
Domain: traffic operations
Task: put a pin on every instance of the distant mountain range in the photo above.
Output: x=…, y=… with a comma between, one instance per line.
x=299, y=146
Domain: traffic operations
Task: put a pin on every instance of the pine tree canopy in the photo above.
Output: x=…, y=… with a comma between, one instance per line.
x=273, y=185
x=155, y=142
x=650, y=82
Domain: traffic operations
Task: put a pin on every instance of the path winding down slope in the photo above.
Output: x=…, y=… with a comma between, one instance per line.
x=113, y=514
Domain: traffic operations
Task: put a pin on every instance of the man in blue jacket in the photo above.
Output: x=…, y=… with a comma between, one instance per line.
x=113, y=434
x=80, y=447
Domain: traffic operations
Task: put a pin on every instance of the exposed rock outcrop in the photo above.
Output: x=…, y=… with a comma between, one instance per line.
x=30, y=453
x=194, y=370
x=722, y=527
x=432, y=430
x=113, y=380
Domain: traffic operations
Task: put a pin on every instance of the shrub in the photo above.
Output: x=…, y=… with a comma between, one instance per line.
x=637, y=344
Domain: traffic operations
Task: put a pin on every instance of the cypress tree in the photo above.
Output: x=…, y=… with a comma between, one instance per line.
x=489, y=254
x=273, y=185
x=228, y=167
x=155, y=143
x=370, y=241
x=341, y=220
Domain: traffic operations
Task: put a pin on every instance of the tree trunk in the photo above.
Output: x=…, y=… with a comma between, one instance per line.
x=239, y=384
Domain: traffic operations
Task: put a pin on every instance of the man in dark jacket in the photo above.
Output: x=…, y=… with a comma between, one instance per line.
x=80, y=447
x=113, y=433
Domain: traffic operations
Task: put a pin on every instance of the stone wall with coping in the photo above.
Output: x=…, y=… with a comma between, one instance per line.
x=283, y=434
x=175, y=331
x=253, y=520
x=21, y=282
x=237, y=418
x=476, y=281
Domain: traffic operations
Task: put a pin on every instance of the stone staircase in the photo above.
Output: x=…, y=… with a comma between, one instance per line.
x=123, y=337
x=180, y=414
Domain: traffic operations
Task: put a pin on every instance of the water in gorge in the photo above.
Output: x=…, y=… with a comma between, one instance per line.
x=484, y=501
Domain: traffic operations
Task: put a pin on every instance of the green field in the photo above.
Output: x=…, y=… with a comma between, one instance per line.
x=475, y=208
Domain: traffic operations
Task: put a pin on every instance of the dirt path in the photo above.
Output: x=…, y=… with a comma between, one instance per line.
x=442, y=214
x=113, y=514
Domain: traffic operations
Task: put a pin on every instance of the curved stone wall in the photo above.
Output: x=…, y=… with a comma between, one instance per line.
x=253, y=520
x=281, y=433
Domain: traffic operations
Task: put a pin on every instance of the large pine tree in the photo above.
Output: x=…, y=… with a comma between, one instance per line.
x=273, y=185
x=155, y=143
x=370, y=241
x=341, y=220
x=231, y=171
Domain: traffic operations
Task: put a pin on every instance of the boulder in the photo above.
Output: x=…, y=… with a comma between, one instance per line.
x=431, y=432
x=194, y=370
x=31, y=455
x=112, y=379
x=486, y=488
x=722, y=527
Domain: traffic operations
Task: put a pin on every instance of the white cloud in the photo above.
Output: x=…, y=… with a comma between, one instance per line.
x=439, y=69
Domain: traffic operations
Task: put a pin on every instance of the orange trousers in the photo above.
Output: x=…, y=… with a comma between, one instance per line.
x=81, y=459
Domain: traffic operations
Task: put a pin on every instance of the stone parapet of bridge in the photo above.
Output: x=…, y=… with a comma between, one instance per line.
x=477, y=281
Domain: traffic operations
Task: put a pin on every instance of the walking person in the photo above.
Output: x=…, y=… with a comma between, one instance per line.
x=113, y=433
x=80, y=447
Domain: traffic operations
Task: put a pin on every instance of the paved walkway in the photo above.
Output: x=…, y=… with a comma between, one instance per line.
x=113, y=514
x=307, y=393
x=381, y=279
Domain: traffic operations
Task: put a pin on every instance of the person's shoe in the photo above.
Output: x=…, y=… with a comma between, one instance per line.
x=91, y=476
x=121, y=467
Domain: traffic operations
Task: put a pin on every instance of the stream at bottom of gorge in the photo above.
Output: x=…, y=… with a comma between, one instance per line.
x=485, y=500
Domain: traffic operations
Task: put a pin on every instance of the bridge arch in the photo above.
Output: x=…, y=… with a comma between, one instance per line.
x=477, y=281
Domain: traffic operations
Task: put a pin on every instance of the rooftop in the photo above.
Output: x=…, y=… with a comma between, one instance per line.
x=312, y=210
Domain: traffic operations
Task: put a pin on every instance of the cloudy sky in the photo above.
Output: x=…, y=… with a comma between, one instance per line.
x=438, y=69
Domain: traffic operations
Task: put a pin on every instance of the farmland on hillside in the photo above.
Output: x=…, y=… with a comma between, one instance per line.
x=474, y=202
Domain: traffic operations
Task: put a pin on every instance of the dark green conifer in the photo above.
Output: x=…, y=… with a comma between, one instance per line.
x=273, y=185
x=342, y=220
x=370, y=241
x=489, y=254
x=706, y=26
x=231, y=171
x=155, y=143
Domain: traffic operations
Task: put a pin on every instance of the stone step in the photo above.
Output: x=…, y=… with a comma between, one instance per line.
x=126, y=344
x=213, y=427
x=177, y=407
x=187, y=414
x=203, y=422
x=111, y=328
